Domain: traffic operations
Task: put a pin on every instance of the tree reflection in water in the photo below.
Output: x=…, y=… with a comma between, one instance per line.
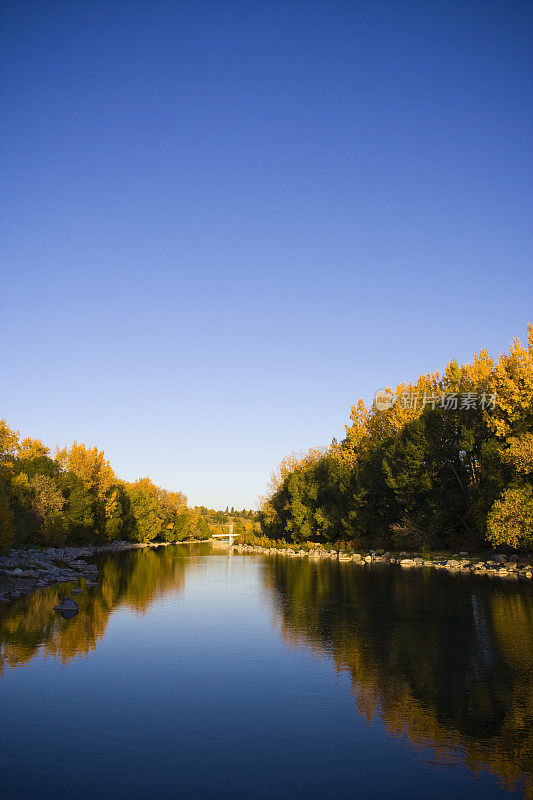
x=445, y=661
x=131, y=579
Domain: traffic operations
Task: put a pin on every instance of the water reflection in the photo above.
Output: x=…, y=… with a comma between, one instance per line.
x=131, y=579
x=445, y=661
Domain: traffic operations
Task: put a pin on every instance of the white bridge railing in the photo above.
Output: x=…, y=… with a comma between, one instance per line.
x=230, y=536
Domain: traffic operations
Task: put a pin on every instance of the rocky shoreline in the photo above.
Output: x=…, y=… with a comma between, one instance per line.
x=24, y=571
x=497, y=565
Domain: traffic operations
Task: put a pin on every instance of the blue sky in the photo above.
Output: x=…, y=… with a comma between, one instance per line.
x=223, y=222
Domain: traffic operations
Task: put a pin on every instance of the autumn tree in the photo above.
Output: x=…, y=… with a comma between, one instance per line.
x=449, y=462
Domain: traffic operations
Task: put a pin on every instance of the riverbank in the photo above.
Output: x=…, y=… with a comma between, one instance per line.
x=496, y=564
x=24, y=571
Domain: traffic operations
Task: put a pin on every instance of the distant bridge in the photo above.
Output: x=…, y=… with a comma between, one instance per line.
x=230, y=536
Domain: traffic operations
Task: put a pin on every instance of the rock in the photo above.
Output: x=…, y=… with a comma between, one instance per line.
x=67, y=604
x=407, y=562
x=76, y=591
x=17, y=571
x=463, y=553
x=29, y=573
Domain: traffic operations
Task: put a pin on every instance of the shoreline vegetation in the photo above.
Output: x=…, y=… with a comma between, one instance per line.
x=444, y=463
x=57, y=510
x=440, y=471
x=74, y=498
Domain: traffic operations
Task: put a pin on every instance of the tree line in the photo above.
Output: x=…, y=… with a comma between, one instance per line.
x=75, y=497
x=442, y=462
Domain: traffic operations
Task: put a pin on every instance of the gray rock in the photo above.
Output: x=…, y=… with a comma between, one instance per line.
x=67, y=604
x=76, y=591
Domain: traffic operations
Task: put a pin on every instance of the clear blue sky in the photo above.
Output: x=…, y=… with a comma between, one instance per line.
x=223, y=222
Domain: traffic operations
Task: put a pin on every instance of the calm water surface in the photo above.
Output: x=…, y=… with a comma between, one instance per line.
x=189, y=674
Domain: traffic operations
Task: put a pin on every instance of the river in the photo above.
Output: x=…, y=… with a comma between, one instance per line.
x=191, y=674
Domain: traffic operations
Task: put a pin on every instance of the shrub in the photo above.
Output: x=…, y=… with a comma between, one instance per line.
x=510, y=521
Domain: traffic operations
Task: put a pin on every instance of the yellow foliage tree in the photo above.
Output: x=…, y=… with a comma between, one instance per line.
x=512, y=383
x=90, y=465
